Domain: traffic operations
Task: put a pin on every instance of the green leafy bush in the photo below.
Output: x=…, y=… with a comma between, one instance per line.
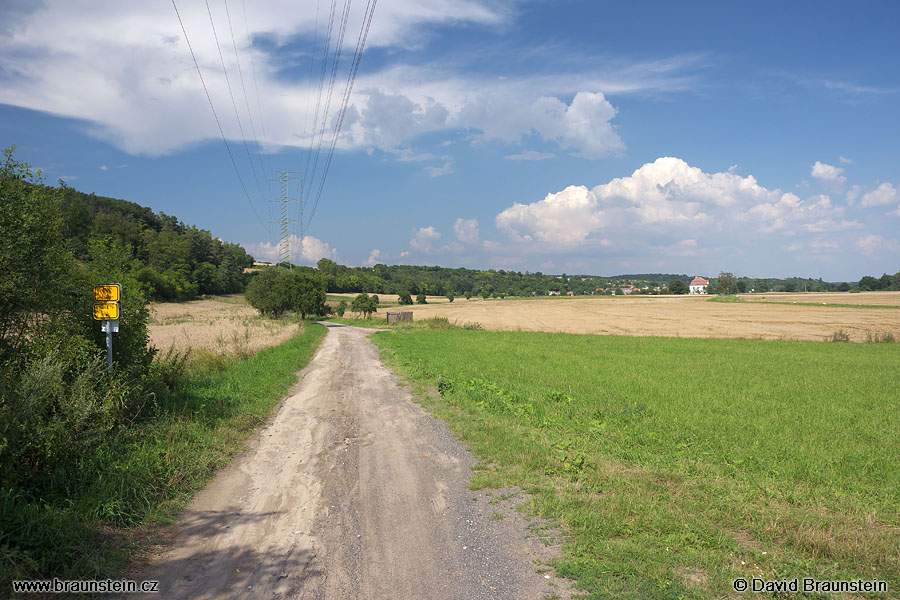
x=274, y=292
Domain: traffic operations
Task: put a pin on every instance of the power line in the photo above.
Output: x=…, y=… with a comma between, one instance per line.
x=351, y=79
x=216, y=116
x=309, y=151
x=334, y=67
x=262, y=125
x=233, y=103
x=306, y=129
x=243, y=87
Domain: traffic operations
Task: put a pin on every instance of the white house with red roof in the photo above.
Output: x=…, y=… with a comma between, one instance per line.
x=698, y=285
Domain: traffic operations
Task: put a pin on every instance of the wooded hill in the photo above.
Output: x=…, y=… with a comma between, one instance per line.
x=173, y=261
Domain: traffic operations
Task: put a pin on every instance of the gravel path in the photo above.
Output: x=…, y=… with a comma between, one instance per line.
x=352, y=491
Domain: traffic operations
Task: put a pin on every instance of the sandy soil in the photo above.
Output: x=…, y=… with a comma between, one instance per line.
x=351, y=491
x=682, y=316
x=224, y=324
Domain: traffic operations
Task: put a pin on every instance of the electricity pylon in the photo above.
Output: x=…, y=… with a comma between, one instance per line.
x=284, y=243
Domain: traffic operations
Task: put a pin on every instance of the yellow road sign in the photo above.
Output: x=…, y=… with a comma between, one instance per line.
x=106, y=293
x=106, y=311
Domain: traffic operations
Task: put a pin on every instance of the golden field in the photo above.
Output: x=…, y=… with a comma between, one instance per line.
x=760, y=316
x=223, y=325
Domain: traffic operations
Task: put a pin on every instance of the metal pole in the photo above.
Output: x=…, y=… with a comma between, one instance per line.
x=108, y=346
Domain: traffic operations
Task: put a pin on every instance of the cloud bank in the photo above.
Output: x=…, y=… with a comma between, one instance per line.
x=124, y=70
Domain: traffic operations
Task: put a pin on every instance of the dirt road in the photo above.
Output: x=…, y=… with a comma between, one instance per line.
x=351, y=491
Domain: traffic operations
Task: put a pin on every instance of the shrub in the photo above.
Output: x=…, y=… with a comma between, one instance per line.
x=880, y=337
x=839, y=336
x=341, y=308
x=276, y=291
x=420, y=298
x=364, y=306
x=54, y=412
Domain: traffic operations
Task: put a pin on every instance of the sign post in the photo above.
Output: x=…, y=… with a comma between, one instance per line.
x=107, y=308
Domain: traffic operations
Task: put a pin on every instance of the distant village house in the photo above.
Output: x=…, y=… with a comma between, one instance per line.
x=698, y=285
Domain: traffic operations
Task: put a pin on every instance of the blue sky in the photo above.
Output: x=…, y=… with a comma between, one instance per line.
x=580, y=137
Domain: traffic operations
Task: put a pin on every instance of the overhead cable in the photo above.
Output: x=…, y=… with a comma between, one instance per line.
x=216, y=116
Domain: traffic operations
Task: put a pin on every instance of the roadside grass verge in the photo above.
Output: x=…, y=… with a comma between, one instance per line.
x=87, y=518
x=673, y=465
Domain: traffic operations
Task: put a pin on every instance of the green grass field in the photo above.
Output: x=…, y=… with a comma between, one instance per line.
x=676, y=465
x=91, y=516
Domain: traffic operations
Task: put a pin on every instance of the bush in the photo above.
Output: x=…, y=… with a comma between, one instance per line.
x=55, y=412
x=341, y=308
x=880, y=337
x=274, y=292
x=364, y=306
x=420, y=298
x=839, y=336
x=405, y=298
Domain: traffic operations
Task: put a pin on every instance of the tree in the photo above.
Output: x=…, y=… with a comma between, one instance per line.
x=844, y=287
x=485, y=293
x=450, y=295
x=726, y=284
x=307, y=294
x=361, y=305
x=420, y=298
x=405, y=298
x=269, y=293
x=678, y=286
x=868, y=283
x=373, y=304
x=341, y=308
x=468, y=295
x=37, y=269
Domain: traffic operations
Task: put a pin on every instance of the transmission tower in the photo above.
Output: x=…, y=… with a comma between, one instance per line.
x=284, y=243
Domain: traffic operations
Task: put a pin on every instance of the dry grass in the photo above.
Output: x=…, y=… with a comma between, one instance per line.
x=860, y=299
x=392, y=297
x=224, y=325
x=684, y=316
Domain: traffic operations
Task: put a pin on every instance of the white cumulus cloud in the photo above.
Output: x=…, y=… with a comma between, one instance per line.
x=374, y=257
x=828, y=173
x=425, y=239
x=670, y=199
x=308, y=250
x=313, y=249
x=466, y=231
x=883, y=195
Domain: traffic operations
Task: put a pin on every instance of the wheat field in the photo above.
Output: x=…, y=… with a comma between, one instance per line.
x=767, y=316
x=223, y=325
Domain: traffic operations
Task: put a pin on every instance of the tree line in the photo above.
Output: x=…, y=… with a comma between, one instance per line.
x=885, y=282
x=407, y=280
x=170, y=260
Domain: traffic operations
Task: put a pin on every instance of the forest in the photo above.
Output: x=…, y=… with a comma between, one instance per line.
x=170, y=260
